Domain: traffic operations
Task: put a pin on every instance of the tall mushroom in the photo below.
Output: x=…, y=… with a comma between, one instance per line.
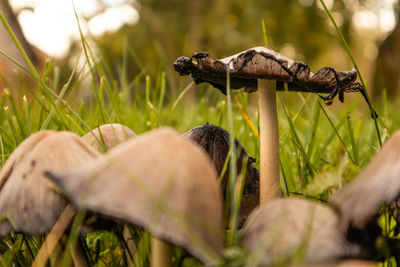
x=160, y=181
x=252, y=69
x=28, y=201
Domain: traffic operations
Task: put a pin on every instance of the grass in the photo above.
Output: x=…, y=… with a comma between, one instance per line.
x=314, y=138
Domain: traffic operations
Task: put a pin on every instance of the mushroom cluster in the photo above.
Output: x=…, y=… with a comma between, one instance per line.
x=167, y=184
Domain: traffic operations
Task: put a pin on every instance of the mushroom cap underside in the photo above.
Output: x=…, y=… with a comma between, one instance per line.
x=160, y=181
x=28, y=201
x=246, y=67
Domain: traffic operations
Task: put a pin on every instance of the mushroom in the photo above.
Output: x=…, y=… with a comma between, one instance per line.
x=282, y=227
x=358, y=202
x=160, y=181
x=108, y=135
x=28, y=203
x=256, y=68
x=215, y=141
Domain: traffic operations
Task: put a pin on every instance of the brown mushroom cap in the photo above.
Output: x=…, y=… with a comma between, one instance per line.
x=27, y=200
x=160, y=181
x=111, y=134
x=358, y=202
x=215, y=141
x=281, y=228
x=264, y=63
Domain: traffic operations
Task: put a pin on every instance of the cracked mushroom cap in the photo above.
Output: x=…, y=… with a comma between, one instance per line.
x=379, y=183
x=28, y=203
x=264, y=63
x=281, y=228
x=160, y=181
x=110, y=134
x=215, y=141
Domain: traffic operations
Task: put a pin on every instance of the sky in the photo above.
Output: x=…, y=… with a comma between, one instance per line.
x=52, y=24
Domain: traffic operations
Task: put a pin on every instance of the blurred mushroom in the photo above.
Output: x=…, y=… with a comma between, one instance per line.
x=252, y=69
x=27, y=200
x=215, y=141
x=28, y=203
x=160, y=181
x=108, y=135
x=358, y=202
x=284, y=228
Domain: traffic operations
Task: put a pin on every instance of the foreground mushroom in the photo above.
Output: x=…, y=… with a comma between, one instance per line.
x=28, y=202
x=160, y=181
x=358, y=202
x=280, y=229
x=283, y=228
x=256, y=68
x=215, y=141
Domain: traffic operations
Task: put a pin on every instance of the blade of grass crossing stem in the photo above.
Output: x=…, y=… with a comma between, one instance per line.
x=296, y=140
x=232, y=163
x=364, y=92
x=337, y=133
x=353, y=141
x=238, y=197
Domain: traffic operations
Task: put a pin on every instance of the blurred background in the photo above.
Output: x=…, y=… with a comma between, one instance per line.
x=156, y=32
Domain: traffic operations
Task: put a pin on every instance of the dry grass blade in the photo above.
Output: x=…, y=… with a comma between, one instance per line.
x=54, y=236
x=160, y=181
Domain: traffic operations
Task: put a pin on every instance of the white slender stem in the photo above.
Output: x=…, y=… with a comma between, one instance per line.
x=161, y=253
x=269, y=141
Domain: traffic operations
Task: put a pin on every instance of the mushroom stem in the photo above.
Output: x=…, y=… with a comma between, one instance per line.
x=161, y=253
x=269, y=141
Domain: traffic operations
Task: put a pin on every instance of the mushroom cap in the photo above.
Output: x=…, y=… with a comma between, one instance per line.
x=160, y=181
x=111, y=134
x=281, y=228
x=215, y=141
x=264, y=63
x=358, y=202
x=27, y=199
